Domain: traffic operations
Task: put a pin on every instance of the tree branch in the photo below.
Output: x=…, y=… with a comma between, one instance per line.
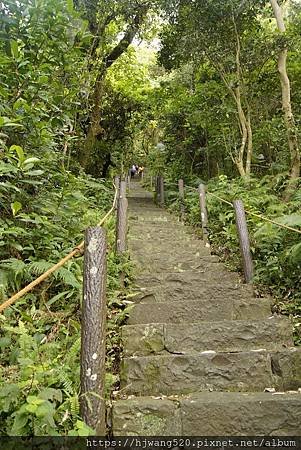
x=127, y=39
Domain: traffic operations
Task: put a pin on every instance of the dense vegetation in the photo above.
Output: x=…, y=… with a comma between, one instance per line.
x=189, y=88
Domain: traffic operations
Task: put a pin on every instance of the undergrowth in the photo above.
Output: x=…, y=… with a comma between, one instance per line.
x=43, y=215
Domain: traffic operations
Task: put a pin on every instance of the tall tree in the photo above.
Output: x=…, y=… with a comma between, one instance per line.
x=220, y=33
x=286, y=95
x=114, y=26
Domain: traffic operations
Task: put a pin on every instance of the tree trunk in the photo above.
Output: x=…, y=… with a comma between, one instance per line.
x=95, y=129
x=250, y=145
x=286, y=98
x=244, y=131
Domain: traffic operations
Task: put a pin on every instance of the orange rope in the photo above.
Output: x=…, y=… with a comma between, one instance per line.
x=78, y=249
x=257, y=215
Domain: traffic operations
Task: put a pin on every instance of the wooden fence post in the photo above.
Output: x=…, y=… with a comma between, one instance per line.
x=161, y=191
x=244, y=242
x=117, y=185
x=121, y=222
x=93, y=331
x=204, y=214
x=128, y=180
x=181, y=196
x=157, y=193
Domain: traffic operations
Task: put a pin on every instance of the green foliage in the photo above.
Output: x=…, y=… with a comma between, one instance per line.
x=276, y=251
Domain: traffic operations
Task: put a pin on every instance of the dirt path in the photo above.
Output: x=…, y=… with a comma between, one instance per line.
x=200, y=350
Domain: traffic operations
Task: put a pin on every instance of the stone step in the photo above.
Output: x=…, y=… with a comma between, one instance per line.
x=210, y=273
x=217, y=371
x=155, y=250
x=195, y=311
x=226, y=336
x=207, y=292
x=209, y=414
x=178, y=264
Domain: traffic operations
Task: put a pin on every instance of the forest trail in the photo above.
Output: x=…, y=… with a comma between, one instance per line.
x=199, y=349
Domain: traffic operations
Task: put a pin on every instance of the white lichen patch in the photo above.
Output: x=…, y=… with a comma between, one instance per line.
x=94, y=356
x=93, y=377
x=93, y=270
x=92, y=245
x=149, y=331
x=88, y=372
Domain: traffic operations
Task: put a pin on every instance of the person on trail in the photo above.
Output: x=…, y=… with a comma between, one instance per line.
x=140, y=171
x=133, y=170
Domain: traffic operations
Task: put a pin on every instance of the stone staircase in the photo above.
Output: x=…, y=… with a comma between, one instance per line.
x=202, y=356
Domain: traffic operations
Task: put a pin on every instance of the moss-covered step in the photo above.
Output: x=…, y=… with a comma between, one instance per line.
x=183, y=374
x=220, y=371
x=209, y=414
x=198, y=310
x=274, y=333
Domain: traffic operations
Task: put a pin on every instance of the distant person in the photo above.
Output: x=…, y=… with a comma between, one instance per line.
x=133, y=170
x=140, y=171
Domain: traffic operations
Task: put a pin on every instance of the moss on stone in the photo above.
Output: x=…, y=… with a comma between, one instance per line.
x=151, y=424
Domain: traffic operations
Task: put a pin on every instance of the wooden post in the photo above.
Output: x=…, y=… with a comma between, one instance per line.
x=204, y=214
x=93, y=331
x=117, y=184
x=157, y=193
x=161, y=191
x=128, y=180
x=244, y=242
x=151, y=183
x=181, y=196
x=121, y=222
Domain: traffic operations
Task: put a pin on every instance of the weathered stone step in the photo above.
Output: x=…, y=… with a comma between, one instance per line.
x=227, y=336
x=178, y=264
x=212, y=272
x=209, y=414
x=222, y=291
x=195, y=311
x=160, y=250
x=158, y=228
x=216, y=371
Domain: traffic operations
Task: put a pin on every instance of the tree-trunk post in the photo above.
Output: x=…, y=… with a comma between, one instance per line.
x=181, y=196
x=244, y=242
x=121, y=222
x=161, y=191
x=93, y=331
x=157, y=193
x=128, y=179
x=151, y=183
x=117, y=186
x=204, y=214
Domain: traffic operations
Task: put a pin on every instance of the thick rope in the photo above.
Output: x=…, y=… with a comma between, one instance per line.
x=78, y=249
x=287, y=227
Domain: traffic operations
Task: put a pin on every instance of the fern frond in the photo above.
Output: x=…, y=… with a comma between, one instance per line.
x=74, y=350
x=38, y=267
x=66, y=382
x=67, y=277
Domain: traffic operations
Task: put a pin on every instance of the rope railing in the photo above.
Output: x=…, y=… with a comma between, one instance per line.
x=251, y=213
x=240, y=218
x=78, y=249
x=259, y=216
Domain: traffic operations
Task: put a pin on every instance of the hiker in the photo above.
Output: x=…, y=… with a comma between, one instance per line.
x=140, y=171
x=133, y=170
